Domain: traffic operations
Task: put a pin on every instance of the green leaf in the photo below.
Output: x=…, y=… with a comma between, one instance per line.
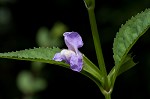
x=126, y=65
x=92, y=71
x=46, y=55
x=28, y=84
x=89, y=67
x=128, y=34
x=36, y=54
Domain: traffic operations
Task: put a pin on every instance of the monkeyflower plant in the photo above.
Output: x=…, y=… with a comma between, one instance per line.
x=75, y=60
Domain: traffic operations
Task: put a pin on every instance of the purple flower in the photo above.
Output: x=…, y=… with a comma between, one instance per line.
x=71, y=55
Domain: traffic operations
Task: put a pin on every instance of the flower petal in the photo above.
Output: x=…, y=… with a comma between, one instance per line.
x=76, y=63
x=71, y=55
x=73, y=41
x=57, y=57
x=66, y=55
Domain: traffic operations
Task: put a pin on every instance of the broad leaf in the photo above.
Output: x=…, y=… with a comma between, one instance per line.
x=128, y=34
x=37, y=54
x=46, y=55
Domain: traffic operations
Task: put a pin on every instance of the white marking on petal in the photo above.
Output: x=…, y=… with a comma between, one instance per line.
x=67, y=53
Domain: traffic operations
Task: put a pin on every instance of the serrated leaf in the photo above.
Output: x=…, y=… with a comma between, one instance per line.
x=36, y=54
x=46, y=55
x=128, y=34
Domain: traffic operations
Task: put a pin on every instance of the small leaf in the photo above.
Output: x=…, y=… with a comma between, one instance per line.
x=127, y=64
x=25, y=82
x=92, y=69
x=128, y=34
x=37, y=54
x=28, y=84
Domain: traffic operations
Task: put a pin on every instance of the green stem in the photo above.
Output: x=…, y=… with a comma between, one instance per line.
x=96, y=38
x=108, y=96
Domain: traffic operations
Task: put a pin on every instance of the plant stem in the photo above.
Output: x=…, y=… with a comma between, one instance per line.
x=105, y=93
x=96, y=39
x=90, y=5
x=108, y=96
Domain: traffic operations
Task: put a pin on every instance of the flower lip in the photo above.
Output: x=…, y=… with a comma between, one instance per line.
x=66, y=55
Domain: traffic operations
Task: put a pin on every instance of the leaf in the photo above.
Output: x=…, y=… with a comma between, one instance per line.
x=126, y=65
x=46, y=55
x=126, y=37
x=28, y=84
x=36, y=54
x=128, y=34
x=93, y=70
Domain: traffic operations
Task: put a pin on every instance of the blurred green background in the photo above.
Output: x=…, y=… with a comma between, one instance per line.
x=27, y=24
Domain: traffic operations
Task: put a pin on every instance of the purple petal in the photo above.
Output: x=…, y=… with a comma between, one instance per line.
x=76, y=63
x=57, y=57
x=73, y=41
x=66, y=55
x=71, y=56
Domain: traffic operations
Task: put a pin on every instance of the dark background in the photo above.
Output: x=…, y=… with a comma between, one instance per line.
x=19, y=26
